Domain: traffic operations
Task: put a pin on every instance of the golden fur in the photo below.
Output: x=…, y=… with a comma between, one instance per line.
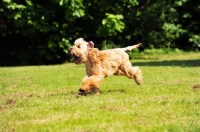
x=101, y=64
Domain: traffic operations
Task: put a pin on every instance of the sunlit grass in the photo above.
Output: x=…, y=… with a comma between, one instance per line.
x=43, y=98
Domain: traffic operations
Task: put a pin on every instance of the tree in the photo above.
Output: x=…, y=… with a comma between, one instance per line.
x=40, y=31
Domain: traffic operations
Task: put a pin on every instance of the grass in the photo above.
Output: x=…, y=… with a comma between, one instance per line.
x=43, y=98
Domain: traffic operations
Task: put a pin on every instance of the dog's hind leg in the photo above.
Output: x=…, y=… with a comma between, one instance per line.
x=132, y=72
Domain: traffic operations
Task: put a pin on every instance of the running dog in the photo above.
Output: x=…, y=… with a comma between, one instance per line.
x=101, y=64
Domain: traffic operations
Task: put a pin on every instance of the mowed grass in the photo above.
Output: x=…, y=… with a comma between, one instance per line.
x=43, y=98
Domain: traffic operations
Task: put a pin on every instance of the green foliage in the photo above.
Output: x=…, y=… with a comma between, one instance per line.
x=172, y=32
x=108, y=45
x=75, y=8
x=180, y=2
x=195, y=39
x=110, y=25
x=40, y=32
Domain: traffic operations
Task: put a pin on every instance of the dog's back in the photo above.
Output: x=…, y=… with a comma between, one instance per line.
x=107, y=61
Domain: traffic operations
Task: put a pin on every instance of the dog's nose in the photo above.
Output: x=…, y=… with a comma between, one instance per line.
x=82, y=91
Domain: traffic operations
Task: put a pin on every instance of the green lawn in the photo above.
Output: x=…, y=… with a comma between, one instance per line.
x=43, y=98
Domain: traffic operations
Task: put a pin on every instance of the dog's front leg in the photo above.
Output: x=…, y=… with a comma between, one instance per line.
x=91, y=84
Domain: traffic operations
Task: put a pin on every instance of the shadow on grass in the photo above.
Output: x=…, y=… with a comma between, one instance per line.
x=102, y=92
x=113, y=91
x=183, y=63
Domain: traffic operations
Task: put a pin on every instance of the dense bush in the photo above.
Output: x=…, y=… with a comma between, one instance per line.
x=40, y=31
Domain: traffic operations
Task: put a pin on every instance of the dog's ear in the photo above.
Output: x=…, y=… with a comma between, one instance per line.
x=90, y=44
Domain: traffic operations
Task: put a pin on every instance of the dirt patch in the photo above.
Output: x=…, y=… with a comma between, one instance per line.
x=196, y=87
x=8, y=104
x=20, y=95
x=11, y=99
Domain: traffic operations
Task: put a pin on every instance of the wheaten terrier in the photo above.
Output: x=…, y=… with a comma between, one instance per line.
x=101, y=64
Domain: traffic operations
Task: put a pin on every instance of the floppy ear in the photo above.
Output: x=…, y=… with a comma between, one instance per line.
x=90, y=44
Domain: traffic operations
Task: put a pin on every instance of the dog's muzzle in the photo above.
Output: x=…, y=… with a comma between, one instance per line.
x=75, y=58
x=82, y=92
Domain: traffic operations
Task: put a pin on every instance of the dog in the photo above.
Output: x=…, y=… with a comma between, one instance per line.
x=101, y=64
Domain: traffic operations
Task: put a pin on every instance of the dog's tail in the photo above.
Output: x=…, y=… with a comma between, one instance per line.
x=129, y=48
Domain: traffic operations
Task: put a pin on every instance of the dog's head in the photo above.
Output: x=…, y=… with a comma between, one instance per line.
x=79, y=50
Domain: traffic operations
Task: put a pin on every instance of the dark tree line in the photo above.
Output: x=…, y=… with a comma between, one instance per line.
x=40, y=31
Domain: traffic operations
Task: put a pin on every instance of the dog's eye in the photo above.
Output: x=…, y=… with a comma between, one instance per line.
x=79, y=46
